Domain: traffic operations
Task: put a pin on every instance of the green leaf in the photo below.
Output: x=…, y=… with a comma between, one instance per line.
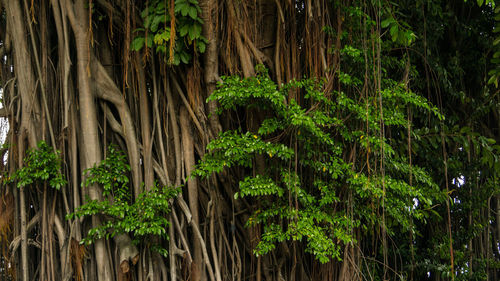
x=191, y=33
x=194, y=31
x=385, y=23
x=197, y=31
x=193, y=13
x=185, y=9
x=201, y=46
x=179, y=5
x=184, y=30
x=160, y=8
x=177, y=59
x=185, y=57
x=147, y=21
x=149, y=41
x=394, y=32
x=156, y=21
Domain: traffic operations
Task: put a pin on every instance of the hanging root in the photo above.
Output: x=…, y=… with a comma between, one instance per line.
x=78, y=253
x=6, y=223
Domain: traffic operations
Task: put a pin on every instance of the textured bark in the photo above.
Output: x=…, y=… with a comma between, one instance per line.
x=63, y=241
x=30, y=110
x=192, y=183
x=211, y=72
x=146, y=133
x=91, y=147
x=29, y=124
x=106, y=89
x=243, y=53
x=127, y=252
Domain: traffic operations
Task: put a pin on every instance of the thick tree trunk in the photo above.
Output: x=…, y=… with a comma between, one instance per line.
x=107, y=90
x=91, y=147
x=24, y=73
x=211, y=59
x=30, y=110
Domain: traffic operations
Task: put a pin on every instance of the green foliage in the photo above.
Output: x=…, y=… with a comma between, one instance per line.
x=451, y=65
x=494, y=74
x=157, y=29
x=143, y=218
x=304, y=146
x=40, y=165
x=485, y=2
x=111, y=173
x=400, y=31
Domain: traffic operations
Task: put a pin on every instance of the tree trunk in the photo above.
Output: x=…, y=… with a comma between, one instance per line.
x=189, y=162
x=91, y=147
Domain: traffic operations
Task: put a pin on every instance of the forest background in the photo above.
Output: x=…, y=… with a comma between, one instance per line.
x=250, y=140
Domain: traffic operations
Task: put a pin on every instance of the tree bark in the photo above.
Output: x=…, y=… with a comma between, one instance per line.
x=91, y=147
x=211, y=59
x=30, y=109
x=192, y=183
x=147, y=144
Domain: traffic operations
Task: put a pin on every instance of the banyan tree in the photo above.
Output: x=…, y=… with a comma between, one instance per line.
x=249, y=140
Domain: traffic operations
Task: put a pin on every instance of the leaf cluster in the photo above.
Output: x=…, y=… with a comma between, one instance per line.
x=40, y=165
x=304, y=148
x=143, y=217
x=157, y=30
